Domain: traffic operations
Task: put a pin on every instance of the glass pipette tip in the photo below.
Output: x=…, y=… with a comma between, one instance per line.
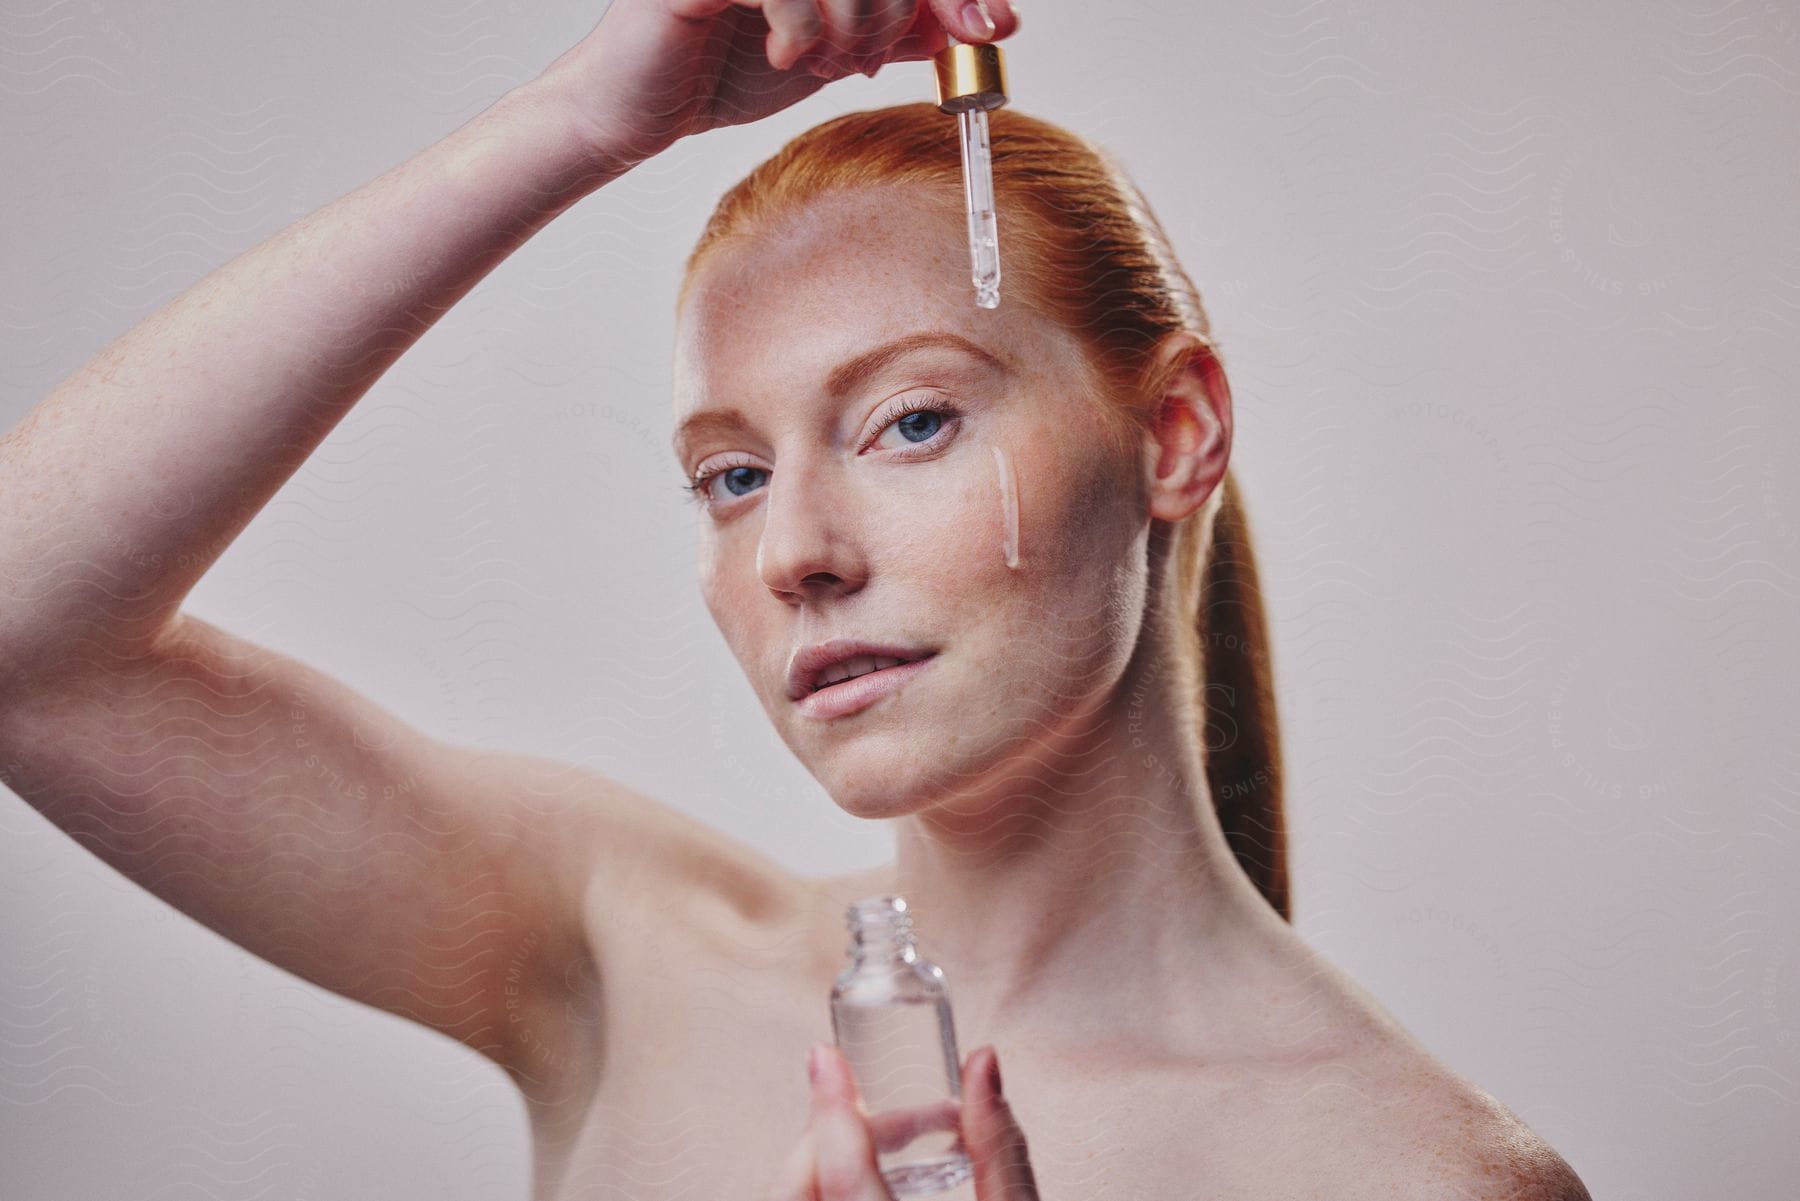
x=978, y=188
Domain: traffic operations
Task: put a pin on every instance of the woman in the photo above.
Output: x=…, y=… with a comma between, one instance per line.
x=1030, y=506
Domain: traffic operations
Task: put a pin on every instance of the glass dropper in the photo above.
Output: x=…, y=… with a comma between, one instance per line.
x=978, y=187
x=971, y=80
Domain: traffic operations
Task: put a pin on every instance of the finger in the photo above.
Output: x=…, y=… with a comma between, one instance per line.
x=843, y=1147
x=995, y=1143
x=844, y=1155
x=893, y=1129
x=860, y=27
x=976, y=20
x=862, y=33
x=833, y=1082
x=794, y=1179
x=921, y=42
x=858, y=35
x=699, y=10
x=794, y=26
x=937, y=20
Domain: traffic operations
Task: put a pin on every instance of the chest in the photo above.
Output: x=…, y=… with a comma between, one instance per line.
x=727, y=1141
x=710, y=1106
x=704, y=1094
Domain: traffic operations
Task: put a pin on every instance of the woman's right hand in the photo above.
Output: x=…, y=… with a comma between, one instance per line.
x=653, y=71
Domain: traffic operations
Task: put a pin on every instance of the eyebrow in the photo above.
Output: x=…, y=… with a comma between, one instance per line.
x=844, y=379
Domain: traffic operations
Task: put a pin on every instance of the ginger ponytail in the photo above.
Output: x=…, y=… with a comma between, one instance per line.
x=1242, y=734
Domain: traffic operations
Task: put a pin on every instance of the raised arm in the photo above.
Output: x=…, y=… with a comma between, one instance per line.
x=123, y=485
x=261, y=797
x=257, y=795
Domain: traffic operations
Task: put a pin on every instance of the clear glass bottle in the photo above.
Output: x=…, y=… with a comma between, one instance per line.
x=890, y=1015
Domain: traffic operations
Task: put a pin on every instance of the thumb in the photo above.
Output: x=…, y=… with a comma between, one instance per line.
x=976, y=20
x=992, y=1136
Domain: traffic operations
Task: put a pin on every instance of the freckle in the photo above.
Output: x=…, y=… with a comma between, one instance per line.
x=1009, y=507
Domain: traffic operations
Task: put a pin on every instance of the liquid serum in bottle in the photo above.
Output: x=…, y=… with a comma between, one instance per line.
x=890, y=1015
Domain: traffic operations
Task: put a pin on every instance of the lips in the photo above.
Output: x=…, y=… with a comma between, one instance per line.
x=855, y=669
x=825, y=664
x=851, y=696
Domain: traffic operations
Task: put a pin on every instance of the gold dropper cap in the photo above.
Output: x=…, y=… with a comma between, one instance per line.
x=970, y=75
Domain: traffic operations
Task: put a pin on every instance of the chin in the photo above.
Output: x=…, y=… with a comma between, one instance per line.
x=868, y=795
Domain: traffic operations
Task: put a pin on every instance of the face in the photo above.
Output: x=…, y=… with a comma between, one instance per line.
x=830, y=511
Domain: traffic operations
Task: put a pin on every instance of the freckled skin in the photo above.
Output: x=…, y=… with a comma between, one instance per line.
x=911, y=546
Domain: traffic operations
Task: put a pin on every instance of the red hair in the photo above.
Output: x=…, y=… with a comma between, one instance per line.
x=1081, y=246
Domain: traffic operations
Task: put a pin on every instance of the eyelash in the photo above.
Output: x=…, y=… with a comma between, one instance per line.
x=696, y=486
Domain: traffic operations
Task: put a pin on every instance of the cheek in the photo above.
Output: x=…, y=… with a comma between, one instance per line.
x=707, y=571
x=1026, y=535
x=722, y=588
x=1059, y=513
x=968, y=526
x=1081, y=546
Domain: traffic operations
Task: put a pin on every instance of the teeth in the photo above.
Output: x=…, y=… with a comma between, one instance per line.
x=861, y=665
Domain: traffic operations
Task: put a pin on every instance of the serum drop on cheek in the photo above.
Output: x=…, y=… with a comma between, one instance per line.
x=890, y=1015
x=1009, y=508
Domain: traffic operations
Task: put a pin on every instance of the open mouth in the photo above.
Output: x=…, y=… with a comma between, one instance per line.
x=856, y=668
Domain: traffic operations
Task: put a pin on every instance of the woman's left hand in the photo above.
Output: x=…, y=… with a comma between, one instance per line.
x=835, y=1157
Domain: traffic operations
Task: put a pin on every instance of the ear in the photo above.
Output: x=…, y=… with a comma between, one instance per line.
x=1188, y=442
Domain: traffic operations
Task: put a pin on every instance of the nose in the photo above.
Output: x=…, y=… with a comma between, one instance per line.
x=807, y=550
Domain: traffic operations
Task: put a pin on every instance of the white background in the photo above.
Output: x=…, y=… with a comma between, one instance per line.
x=1509, y=296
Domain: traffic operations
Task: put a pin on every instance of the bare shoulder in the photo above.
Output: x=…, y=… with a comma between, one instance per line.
x=1398, y=1122
x=1447, y=1138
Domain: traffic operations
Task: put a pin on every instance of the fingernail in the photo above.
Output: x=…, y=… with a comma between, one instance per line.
x=994, y=1073
x=975, y=15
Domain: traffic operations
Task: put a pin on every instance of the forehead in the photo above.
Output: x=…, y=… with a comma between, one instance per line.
x=786, y=304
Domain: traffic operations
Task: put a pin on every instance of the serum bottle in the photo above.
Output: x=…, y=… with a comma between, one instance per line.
x=890, y=1015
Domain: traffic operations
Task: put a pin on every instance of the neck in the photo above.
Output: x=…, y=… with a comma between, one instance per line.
x=1092, y=880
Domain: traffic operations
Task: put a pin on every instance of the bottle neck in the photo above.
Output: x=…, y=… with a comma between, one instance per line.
x=881, y=931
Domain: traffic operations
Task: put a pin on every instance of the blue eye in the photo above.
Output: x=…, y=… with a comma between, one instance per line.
x=908, y=426
x=919, y=420
x=736, y=475
x=698, y=488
